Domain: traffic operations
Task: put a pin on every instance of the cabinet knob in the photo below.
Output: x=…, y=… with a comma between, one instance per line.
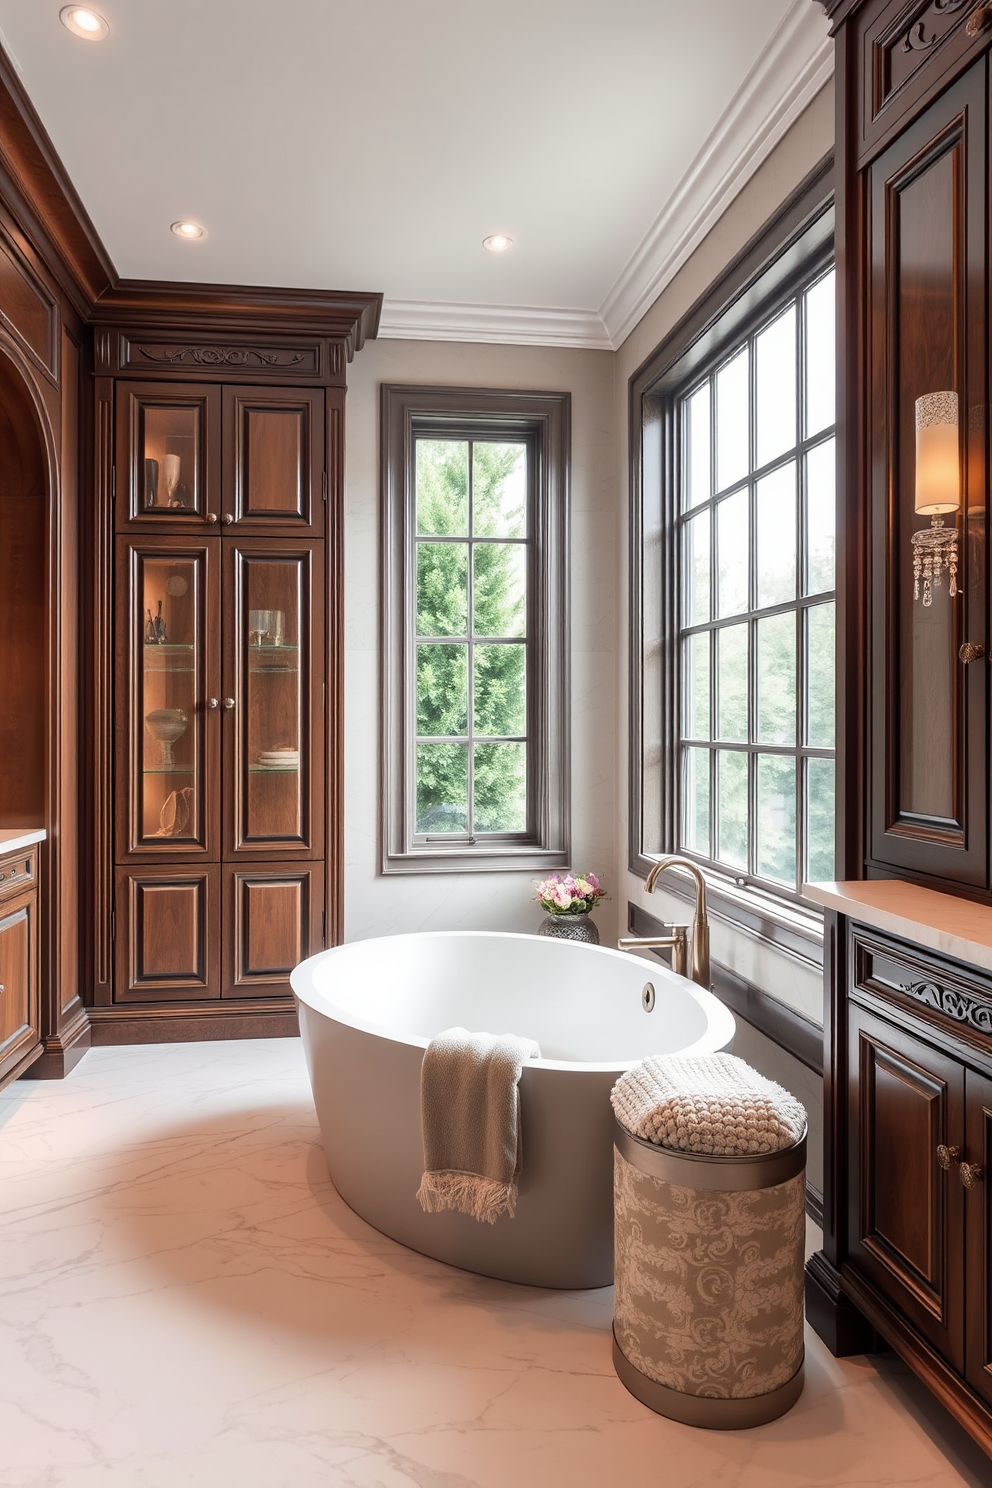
x=227, y=519
x=970, y=651
x=210, y=517
x=947, y=1155
x=970, y=1174
x=2, y=987
x=978, y=20
x=213, y=702
x=228, y=703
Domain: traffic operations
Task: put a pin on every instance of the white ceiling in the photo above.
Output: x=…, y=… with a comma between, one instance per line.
x=373, y=144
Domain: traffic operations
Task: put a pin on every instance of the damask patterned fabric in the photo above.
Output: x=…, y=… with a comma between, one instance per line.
x=709, y=1285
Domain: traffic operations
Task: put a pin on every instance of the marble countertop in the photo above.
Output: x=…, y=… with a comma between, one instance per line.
x=15, y=839
x=941, y=922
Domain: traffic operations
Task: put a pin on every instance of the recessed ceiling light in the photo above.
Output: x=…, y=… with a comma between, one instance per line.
x=188, y=230
x=497, y=243
x=81, y=21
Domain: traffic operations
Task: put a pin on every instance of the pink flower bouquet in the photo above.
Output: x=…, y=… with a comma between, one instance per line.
x=568, y=893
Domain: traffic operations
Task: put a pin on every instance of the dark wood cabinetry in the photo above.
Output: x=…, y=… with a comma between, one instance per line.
x=908, y=1051
x=908, y=1193
x=927, y=326
x=220, y=691
x=20, y=992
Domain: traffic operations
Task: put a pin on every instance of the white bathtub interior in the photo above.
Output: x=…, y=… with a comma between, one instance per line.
x=582, y=1004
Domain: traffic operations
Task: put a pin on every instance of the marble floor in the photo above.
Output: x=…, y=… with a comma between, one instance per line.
x=185, y=1301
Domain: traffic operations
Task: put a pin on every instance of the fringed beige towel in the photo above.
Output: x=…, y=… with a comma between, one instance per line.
x=470, y=1110
x=710, y=1103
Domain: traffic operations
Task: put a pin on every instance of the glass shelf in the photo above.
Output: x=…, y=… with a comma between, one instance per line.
x=259, y=669
x=168, y=770
x=273, y=769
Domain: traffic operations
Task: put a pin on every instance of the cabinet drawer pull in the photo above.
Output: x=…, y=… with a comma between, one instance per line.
x=978, y=20
x=947, y=1155
x=970, y=652
x=228, y=703
x=210, y=517
x=970, y=1174
x=213, y=702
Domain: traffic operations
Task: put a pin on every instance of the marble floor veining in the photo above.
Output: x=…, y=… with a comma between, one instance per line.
x=185, y=1301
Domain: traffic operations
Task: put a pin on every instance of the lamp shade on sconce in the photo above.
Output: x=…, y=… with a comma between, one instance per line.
x=938, y=462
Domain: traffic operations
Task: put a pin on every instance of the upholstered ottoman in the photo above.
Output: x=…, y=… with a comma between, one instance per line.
x=710, y=1191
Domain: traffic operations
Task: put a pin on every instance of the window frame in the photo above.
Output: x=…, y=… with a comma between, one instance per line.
x=784, y=256
x=543, y=421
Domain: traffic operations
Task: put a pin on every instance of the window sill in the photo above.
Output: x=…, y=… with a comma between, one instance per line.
x=791, y=930
x=515, y=859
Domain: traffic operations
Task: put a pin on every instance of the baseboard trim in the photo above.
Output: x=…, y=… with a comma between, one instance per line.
x=62, y=1051
x=276, y=1018
x=814, y=1205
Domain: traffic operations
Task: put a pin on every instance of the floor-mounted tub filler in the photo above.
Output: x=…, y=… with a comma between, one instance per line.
x=368, y=1011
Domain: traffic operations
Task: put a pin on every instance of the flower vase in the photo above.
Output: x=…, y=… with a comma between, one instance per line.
x=570, y=927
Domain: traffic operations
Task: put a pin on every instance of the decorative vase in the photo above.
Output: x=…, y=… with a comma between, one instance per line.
x=167, y=725
x=570, y=927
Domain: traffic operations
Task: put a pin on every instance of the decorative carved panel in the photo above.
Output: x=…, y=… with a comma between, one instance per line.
x=900, y=975
x=901, y=50
x=154, y=357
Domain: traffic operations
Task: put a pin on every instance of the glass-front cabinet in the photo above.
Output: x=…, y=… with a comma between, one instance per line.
x=168, y=457
x=169, y=609
x=219, y=690
x=273, y=658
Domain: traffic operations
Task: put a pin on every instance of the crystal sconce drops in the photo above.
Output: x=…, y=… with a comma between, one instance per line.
x=938, y=490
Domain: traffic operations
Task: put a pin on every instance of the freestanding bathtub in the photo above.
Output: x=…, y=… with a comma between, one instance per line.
x=367, y=1013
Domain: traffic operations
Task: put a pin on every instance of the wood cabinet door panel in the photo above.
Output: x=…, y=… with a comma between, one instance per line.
x=168, y=457
x=978, y=1233
x=929, y=785
x=274, y=465
x=19, y=1027
x=168, y=698
x=273, y=722
x=274, y=919
x=168, y=934
x=906, y=1212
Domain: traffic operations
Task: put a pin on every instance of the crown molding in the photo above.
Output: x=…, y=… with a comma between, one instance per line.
x=44, y=199
x=349, y=317
x=518, y=325
x=783, y=82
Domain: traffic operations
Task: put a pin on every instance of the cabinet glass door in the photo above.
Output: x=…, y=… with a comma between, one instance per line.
x=273, y=729
x=169, y=751
x=169, y=447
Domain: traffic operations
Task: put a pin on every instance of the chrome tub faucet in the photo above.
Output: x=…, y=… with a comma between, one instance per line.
x=690, y=947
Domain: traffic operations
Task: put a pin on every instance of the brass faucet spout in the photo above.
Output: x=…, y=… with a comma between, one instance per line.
x=700, y=921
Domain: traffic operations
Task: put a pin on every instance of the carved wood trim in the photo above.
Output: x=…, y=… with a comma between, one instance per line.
x=898, y=975
x=223, y=356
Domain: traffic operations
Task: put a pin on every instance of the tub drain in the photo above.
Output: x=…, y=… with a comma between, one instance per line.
x=647, y=997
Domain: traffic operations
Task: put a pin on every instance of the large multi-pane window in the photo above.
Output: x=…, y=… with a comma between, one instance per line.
x=475, y=758
x=755, y=534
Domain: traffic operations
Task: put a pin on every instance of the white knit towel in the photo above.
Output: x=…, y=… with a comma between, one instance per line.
x=709, y=1103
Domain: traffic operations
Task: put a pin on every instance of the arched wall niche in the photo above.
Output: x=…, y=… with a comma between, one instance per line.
x=24, y=505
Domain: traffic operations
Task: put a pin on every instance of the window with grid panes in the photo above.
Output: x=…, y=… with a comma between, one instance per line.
x=475, y=660
x=473, y=559
x=755, y=469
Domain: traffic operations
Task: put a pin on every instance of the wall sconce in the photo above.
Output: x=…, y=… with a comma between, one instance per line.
x=938, y=490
